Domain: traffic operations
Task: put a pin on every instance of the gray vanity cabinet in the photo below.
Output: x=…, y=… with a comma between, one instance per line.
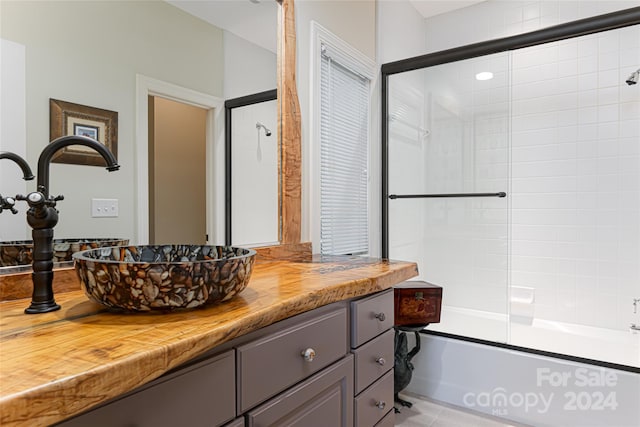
x=329, y=367
x=372, y=344
x=198, y=395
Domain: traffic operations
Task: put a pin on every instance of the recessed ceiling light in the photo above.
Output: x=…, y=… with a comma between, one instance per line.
x=485, y=75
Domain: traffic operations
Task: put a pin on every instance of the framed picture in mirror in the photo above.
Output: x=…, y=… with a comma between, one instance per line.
x=67, y=118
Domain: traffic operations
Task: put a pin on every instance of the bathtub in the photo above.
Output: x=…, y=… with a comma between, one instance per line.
x=531, y=387
x=607, y=345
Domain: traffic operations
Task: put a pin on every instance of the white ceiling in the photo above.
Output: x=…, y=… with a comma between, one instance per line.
x=435, y=7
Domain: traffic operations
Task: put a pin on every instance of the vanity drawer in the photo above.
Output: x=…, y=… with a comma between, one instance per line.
x=371, y=316
x=199, y=395
x=374, y=403
x=269, y=365
x=373, y=359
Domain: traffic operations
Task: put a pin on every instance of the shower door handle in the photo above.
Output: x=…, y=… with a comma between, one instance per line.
x=445, y=195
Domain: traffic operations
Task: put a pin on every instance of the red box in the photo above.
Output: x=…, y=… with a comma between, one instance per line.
x=417, y=303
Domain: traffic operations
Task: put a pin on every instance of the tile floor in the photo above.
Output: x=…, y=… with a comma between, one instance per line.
x=428, y=413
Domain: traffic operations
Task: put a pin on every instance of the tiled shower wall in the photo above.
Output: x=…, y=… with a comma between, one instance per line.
x=575, y=178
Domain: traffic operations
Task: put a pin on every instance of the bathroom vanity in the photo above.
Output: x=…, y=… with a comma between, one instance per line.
x=307, y=342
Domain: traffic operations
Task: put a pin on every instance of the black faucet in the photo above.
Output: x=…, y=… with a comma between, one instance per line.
x=42, y=216
x=47, y=154
x=7, y=203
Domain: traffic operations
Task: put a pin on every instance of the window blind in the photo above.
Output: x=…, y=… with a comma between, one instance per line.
x=344, y=135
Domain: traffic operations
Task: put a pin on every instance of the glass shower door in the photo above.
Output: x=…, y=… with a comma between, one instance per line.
x=448, y=175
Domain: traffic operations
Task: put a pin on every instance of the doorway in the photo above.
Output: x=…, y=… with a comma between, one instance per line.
x=177, y=172
x=214, y=155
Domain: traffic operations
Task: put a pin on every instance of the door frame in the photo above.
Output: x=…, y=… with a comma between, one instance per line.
x=148, y=86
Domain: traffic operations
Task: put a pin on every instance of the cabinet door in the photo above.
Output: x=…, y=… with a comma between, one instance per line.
x=199, y=395
x=325, y=399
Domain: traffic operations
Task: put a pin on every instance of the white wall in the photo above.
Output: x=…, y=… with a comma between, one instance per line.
x=74, y=56
x=12, y=136
x=401, y=31
x=400, y=34
x=248, y=68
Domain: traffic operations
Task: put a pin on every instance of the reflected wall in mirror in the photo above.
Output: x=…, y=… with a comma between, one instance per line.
x=251, y=165
x=69, y=54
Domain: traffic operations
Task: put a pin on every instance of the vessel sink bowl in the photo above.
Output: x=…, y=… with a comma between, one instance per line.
x=20, y=252
x=163, y=277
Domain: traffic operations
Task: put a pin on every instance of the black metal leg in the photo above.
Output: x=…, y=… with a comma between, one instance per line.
x=402, y=402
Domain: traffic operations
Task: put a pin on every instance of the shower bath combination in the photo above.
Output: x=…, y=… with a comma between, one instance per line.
x=259, y=125
x=633, y=78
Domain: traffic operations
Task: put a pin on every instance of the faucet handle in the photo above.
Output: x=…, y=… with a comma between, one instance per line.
x=8, y=203
x=51, y=201
x=34, y=199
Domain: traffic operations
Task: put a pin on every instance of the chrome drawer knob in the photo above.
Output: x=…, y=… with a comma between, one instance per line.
x=380, y=316
x=380, y=361
x=381, y=404
x=308, y=354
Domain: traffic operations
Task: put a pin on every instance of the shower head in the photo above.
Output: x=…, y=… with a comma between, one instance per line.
x=634, y=77
x=267, y=132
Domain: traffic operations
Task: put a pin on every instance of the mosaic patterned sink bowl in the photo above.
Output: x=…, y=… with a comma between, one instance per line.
x=163, y=277
x=19, y=252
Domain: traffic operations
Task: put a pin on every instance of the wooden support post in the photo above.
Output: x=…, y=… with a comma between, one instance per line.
x=290, y=187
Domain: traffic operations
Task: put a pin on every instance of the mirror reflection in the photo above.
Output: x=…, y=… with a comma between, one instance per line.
x=252, y=159
x=197, y=53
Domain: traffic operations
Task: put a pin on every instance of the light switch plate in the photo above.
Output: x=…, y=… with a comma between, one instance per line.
x=103, y=208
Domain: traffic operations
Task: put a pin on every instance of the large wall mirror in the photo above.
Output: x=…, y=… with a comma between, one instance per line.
x=96, y=54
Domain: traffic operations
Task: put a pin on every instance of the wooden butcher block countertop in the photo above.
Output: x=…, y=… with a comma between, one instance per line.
x=59, y=364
